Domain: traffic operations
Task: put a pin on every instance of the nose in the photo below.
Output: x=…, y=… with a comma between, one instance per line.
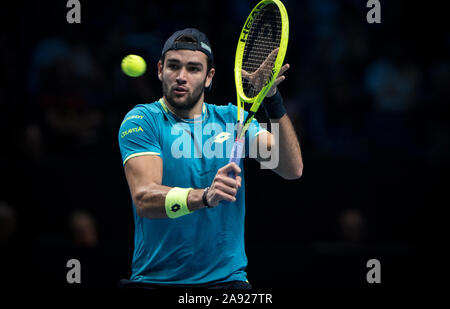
x=181, y=77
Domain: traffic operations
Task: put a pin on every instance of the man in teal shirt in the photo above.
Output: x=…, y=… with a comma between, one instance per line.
x=189, y=215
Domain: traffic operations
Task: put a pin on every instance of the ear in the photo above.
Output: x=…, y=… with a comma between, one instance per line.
x=209, y=77
x=160, y=67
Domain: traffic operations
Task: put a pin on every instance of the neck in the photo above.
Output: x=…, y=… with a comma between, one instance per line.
x=194, y=112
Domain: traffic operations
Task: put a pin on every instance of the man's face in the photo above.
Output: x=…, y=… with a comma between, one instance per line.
x=184, y=76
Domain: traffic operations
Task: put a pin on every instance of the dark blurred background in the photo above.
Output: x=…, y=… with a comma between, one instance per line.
x=370, y=104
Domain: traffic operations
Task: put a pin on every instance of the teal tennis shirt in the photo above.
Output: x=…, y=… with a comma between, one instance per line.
x=206, y=246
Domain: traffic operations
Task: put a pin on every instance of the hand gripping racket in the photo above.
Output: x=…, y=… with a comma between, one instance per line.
x=259, y=57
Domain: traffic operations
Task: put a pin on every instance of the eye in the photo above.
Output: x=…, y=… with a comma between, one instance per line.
x=172, y=66
x=194, y=69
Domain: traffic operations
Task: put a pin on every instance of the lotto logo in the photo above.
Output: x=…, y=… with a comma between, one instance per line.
x=220, y=138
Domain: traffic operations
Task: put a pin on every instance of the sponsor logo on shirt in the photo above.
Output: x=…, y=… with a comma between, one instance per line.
x=131, y=117
x=130, y=131
x=220, y=138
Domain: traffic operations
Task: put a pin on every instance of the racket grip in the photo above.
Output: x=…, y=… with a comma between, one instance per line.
x=236, y=154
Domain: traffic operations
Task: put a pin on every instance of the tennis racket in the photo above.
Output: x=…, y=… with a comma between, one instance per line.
x=259, y=57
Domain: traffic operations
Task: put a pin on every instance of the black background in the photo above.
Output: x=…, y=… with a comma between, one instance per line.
x=385, y=162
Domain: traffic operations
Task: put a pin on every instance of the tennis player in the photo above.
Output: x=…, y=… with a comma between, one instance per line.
x=188, y=215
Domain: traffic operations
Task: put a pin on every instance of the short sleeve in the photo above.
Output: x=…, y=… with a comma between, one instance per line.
x=138, y=135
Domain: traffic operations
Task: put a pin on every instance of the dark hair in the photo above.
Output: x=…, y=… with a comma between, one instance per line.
x=190, y=39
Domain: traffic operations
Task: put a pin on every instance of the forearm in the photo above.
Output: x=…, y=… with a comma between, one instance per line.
x=150, y=201
x=285, y=148
x=290, y=163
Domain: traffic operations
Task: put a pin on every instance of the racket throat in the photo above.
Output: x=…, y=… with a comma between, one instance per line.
x=239, y=128
x=242, y=127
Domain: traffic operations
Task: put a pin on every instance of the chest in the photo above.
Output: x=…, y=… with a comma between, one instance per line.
x=193, y=152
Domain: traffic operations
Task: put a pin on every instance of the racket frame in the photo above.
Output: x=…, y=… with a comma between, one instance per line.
x=242, y=99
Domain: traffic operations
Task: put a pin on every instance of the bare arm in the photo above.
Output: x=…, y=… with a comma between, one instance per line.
x=290, y=162
x=290, y=157
x=144, y=176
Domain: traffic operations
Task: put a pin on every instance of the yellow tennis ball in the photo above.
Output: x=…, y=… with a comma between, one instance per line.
x=133, y=65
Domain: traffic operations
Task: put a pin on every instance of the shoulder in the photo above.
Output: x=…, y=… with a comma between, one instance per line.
x=229, y=110
x=149, y=108
x=143, y=113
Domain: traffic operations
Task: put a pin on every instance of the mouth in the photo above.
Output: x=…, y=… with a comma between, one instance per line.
x=179, y=91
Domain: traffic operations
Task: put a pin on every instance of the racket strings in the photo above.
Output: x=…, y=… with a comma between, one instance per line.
x=263, y=38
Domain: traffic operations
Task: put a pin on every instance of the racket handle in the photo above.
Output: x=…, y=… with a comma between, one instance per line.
x=236, y=154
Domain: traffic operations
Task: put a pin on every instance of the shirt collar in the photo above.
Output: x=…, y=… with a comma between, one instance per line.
x=198, y=119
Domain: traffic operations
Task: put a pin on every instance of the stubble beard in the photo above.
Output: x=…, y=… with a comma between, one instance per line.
x=190, y=100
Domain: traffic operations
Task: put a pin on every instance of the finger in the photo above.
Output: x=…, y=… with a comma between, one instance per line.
x=226, y=189
x=235, y=167
x=284, y=68
x=224, y=196
x=270, y=59
x=228, y=181
x=238, y=182
x=245, y=74
x=230, y=167
x=278, y=81
x=273, y=55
